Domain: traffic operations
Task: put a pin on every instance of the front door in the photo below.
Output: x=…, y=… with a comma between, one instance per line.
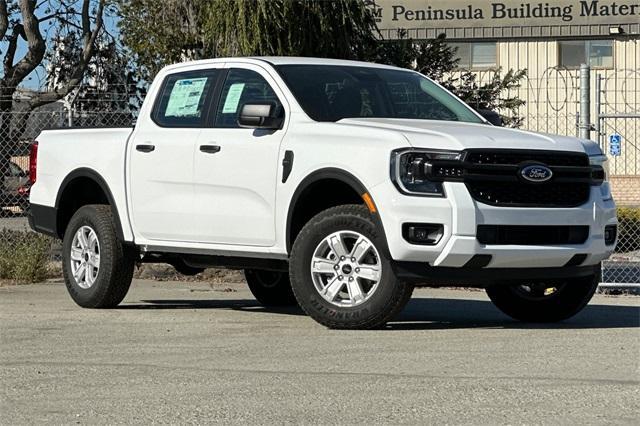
x=236, y=169
x=161, y=154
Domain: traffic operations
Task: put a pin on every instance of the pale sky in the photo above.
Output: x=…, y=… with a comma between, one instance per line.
x=37, y=78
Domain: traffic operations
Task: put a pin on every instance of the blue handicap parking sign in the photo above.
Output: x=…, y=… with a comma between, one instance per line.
x=615, y=144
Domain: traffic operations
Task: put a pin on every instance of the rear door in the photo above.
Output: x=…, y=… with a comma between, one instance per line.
x=161, y=156
x=236, y=169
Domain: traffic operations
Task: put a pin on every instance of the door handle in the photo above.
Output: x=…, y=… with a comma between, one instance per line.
x=210, y=149
x=145, y=148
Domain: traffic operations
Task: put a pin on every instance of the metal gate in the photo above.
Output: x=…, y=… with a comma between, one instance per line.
x=617, y=130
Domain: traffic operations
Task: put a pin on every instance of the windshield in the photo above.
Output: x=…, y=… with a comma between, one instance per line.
x=331, y=93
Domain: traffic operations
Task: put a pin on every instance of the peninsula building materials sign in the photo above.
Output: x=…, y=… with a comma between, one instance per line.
x=502, y=19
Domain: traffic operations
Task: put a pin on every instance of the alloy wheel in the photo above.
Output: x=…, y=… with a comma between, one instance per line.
x=346, y=268
x=85, y=257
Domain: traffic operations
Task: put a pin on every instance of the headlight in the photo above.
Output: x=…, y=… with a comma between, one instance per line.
x=600, y=161
x=422, y=172
x=600, y=171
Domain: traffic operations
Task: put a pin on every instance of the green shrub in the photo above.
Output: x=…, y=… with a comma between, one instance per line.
x=628, y=229
x=24, y=256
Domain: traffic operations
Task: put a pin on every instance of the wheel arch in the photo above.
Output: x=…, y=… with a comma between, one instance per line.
x=310, y=185
x=83, y=179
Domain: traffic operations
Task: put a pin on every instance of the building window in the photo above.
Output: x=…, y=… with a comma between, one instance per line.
x=476, y=55
x=596, y=53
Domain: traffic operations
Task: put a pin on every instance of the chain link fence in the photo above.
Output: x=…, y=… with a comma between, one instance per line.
x=552, y=106
x=617, y=130
x=18, y=128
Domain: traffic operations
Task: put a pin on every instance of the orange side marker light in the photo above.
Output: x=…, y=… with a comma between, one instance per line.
x=369, y=202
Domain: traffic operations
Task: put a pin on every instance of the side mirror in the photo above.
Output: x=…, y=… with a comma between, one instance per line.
x=492, y=117
x=260, y=116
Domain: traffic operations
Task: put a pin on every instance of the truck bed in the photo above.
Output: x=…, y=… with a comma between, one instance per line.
x=65, y=154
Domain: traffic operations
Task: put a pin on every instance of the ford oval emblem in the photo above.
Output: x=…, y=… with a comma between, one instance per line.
x=536, y=173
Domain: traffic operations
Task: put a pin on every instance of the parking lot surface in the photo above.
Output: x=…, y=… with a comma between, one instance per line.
x=194, y=352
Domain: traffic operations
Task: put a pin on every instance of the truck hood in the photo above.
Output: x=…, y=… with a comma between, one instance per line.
x=457, y=136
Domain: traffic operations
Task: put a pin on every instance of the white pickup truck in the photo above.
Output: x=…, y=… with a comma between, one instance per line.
x=338, y=185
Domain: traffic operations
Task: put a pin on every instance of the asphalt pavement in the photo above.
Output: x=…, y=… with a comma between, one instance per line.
x=200, y=353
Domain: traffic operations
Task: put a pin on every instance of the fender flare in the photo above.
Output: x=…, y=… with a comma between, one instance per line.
x=95, y=176
x=310, y=179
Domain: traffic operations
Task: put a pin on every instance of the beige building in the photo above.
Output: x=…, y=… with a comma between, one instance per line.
x=550, y=39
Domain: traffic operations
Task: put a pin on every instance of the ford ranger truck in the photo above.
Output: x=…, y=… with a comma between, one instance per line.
x=336, y=185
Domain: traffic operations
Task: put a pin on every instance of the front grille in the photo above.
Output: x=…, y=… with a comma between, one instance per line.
x=574, y=159
x=516, y=194
x=492, y=177
x=531, y=235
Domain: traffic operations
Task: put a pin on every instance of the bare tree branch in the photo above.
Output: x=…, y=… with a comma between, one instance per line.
x=12, y=44
x=15, y=74
x=68, y=23
x=86, y=24
x=55, y=15
x=89, y=37
x=29, y=29
x=4, y=19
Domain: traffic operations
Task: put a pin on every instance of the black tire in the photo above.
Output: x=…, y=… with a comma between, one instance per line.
x=530, y=305
x=270, y=288
x=408, y=293
x=381, y=306
x=116, y=261
x=184, y=269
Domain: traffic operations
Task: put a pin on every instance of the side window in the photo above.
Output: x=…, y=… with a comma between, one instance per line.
x=183, y=97
x=240, y=87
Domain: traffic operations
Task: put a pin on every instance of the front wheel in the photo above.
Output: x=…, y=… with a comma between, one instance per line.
x=341, y=271
x=544, y=301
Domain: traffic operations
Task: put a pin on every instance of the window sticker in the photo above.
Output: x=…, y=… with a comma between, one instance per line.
x=185, y=97
x=233, y=98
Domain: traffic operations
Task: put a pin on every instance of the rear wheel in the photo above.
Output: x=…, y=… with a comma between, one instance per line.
x=341, y=271
x=182, y=268
x=270, y=288
x=544, y=301
x=97, y=267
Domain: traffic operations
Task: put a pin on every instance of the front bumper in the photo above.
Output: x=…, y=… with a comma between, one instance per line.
x=460, y=215
x=423, y=274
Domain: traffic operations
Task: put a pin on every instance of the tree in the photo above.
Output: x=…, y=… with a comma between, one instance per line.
x=326, y=29
x=344, y=29
x=110, y=92
x=24, y=20
x=162, y=32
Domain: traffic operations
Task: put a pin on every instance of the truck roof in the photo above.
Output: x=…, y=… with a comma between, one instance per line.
x=281, y=60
